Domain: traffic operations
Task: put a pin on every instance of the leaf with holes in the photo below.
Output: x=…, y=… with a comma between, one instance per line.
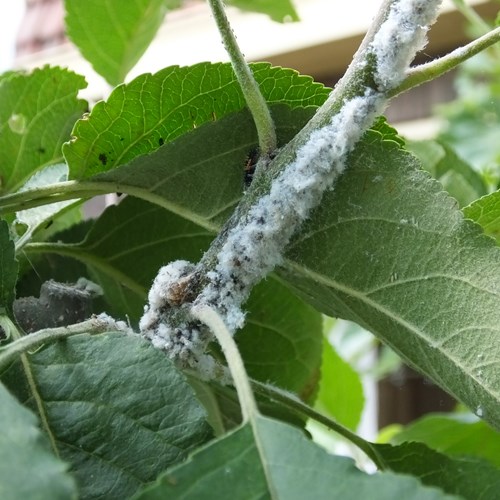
x=37, y=112
x=152, y=110
x=113, y=406
x=112, y=35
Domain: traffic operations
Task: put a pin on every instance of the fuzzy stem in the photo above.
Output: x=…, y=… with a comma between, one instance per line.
x=26, y=343
x=432, y=70
x=212, y=319
x=253, y=97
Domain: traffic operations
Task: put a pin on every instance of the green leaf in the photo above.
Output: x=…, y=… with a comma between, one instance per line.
x=131, y=241
x=36, y=218
x=454, y=435
x=280, y=11
x=114, y=407
x=340, y=389
x=486, y=212
x=112, y=35
x=37, y=113
x=154, y=109
x=456, y=176
x=403, y=263
x=27, y=468
x=468, y=477
x=8, y=269
x=274, y=460
x=281, y=341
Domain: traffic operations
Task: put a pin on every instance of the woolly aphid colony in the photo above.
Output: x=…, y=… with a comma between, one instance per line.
x=255, y=246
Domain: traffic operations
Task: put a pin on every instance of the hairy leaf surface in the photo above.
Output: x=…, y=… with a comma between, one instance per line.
x=112, y=35
x=390, y=250
x=278, y=462
x=152, y=110
x=28, y=469
x=37, y=112
x=115, y=408
x=387, y=249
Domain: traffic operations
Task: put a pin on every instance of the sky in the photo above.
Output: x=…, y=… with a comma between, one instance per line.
x=10, y=16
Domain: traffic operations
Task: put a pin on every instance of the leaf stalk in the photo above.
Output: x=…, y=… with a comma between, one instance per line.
x=255, y=100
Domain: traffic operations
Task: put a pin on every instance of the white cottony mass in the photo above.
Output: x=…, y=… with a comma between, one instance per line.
x=256, y=244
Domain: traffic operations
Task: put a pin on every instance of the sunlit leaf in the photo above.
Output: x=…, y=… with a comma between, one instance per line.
x=37, y=112
x=112, y=35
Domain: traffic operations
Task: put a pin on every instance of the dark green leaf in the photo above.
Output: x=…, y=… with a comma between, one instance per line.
x=8, y=269
x=467, y=477
x=37, y=113
x=281, y=341
x=403, y=263
x=278, y=10
x=130, y=242
x=454, y=435
x=112, y=35
x=486, y=212
x=273, y=460
x=340, y=389
x=154, y=109
x=114, y=407
x=28, y=469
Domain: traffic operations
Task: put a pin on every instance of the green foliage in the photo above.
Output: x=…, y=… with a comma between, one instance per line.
x=407, y=268
x=8, y=268
x=37, y=113
x=278, y=462
x=486, y=212
x=111, y=37
x=113, y=407
x=454, y=435
x=467, y=477
x=152, y=110
x=28, y=468
x=388, y=248
x=278, y=10
x=340, y=390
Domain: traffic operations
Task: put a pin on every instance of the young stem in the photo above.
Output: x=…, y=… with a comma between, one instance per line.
x=253, y=97
x=26, y=343
x=211, y=318
x=430, y=71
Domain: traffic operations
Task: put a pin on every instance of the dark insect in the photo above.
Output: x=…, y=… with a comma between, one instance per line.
x=250, y=164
